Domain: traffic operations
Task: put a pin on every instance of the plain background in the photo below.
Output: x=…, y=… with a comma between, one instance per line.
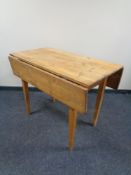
x=97, y=28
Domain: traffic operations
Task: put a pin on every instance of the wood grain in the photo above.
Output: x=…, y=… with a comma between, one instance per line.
x=66, y=77
x=69, y=93
x=113, y=81
x=26, y=95
x=72, y=127
x=99, y=101
x=85, y=71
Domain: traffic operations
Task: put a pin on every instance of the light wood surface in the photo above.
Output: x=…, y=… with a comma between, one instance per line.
x=85, y=71
x=72, y=127
x=66, y=77
x=71, y=94
x=26, y=95
x=99, y=101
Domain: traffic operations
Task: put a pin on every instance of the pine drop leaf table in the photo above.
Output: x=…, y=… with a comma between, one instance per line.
x=66, y=77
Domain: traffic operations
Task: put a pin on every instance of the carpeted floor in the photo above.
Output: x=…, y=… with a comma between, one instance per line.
x=37, y=144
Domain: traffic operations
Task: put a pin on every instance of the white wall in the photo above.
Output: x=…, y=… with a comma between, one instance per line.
x=99, y=28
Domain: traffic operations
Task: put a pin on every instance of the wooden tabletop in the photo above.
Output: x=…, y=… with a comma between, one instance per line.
x=82, y=70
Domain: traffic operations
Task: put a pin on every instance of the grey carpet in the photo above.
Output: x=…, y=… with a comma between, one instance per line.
x=37, y=144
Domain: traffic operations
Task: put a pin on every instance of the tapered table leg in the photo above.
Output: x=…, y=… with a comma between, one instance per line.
x=26, y=96
x=72, y=126
x=99, y=101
